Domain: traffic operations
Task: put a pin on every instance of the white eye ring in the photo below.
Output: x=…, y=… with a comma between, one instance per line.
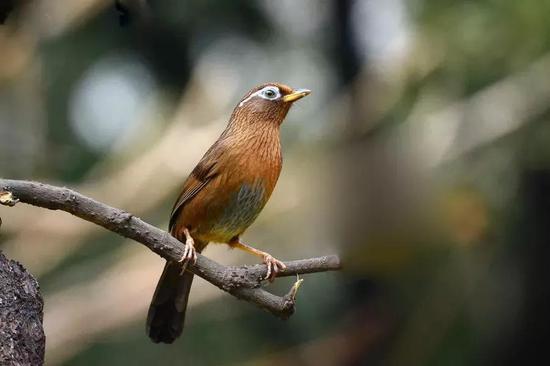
x=264, y=93
x=270, y=93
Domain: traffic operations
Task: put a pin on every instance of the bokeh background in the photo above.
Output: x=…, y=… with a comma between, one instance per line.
x=422, y=157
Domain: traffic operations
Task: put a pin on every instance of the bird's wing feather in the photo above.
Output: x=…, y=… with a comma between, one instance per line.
x=199, y=178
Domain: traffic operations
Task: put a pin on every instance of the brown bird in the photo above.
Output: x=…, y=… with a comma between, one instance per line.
x=222, y=196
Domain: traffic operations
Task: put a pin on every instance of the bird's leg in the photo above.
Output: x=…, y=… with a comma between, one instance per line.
x=189, y=253
x=274, y=266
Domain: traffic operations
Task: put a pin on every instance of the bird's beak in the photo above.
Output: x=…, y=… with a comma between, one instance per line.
x=295, y=95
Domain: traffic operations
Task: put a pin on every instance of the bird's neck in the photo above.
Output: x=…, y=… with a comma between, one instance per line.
x=256, y=148
x=253, y=129
x=259, y=141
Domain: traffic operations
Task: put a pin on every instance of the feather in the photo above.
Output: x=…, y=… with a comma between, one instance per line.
x=204, y=172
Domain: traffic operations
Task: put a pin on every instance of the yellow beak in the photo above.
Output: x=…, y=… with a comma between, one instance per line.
x=295, y=95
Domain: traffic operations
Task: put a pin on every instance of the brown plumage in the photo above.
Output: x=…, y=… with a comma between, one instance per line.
x=222, y=196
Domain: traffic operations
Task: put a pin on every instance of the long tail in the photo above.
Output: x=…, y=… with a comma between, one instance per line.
x=167, y=310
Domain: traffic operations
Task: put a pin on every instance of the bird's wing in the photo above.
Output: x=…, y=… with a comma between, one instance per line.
x=203, y=173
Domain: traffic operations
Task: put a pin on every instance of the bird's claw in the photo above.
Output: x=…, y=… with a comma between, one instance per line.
x=189, y=254
x=274, y=266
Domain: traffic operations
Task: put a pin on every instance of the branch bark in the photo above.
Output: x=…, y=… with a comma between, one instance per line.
x=243, y=282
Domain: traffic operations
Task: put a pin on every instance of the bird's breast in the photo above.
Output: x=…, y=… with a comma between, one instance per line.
x=249, y=170
x=242, y=208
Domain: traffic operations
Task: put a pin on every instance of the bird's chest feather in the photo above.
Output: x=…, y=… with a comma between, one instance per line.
x=245, y=198
x=250, y=172
x=241, y=209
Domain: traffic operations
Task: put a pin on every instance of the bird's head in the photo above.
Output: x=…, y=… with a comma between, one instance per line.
x=268, y=102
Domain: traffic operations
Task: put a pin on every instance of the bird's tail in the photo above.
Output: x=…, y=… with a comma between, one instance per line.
x=167, y=310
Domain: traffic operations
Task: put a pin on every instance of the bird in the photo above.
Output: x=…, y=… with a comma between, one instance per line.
x=222, y=197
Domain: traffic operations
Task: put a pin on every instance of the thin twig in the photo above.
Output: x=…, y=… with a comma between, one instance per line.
x=243, y=282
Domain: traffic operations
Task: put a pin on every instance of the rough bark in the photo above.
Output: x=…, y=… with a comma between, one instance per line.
x=22, y=337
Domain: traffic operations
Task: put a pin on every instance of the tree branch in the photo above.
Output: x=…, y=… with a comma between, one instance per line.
x=243, y=282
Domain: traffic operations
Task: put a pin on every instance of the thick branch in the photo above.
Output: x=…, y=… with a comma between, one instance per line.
x=243, y=282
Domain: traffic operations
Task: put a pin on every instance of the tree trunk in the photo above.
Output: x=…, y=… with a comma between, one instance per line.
x=22, y=337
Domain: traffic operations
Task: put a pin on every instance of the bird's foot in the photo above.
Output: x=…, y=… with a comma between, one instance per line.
x=189, y=253
x=274, y=266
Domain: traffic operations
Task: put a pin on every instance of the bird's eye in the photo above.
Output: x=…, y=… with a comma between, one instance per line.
x=270, y=94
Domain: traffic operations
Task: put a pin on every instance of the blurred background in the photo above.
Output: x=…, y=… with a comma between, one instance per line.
x=422, y=157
